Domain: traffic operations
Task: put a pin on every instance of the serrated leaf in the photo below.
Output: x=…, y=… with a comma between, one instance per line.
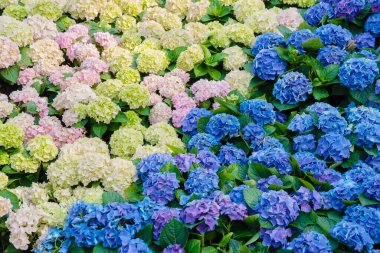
x=12, y=197
x=367, y=202
x=120, y=117
x=25, y=61
x=331, y=72
x=252, y=196
x=193, y=246
x=10, y=74
x=214, y=73
x=200, y=70
x=112, y=197
x=320, y=93
x=312, y=44
x=202, y=123
x=99, y=129
x=174, y=232
x=146, y=234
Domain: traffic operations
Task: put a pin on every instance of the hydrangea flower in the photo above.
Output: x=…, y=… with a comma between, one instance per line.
x=264, y=183
x=365, y=40
x=311, y=242
x=331, y=34
x=304, y=143
x=343, y=190
x=235, y=212
x=223, y=125
x=331, y=122
x=153, y=163
x=301, y=123
x=308, y=200
x=229, y=154
x=309, y=163
x=360, y=172
x=161, y=218
x=237, y=194
x=202, y=141
x=146, y=208
x=371, y=187
x=269, y=143
x=276, y=237
x=184, y=161
x=331, y=55
x=267, y=65
x=333, y=146
x=253, y=134
x=160, y=187
x=348, y=9
x=321, y=108
x=201, y=182
x=292, y=88
x=135, y=245
x=315, y=14
x=372, y=24
x=266, y=41
x=353, y=235
x=174, y=248
x=260, y=110
x=277, y=207
x=208, y=160
x=368, y=134
x=205, y=210
x=298, y=37
x=358, y=73
x=329, y=175
x=189, y=123
x=277, y=158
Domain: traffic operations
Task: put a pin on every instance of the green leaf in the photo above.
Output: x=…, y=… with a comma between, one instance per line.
x=284, y=30
x=202, y=123
x=105, y=76
x=214, y=73
x=12, y=197
x=252, y=220
x=228, y=106
x=174, y=233
x=283, y=107
x=367, y=202
x=353, y=159
x=31, y=107
x=100, y=249
x=209, y=249
x=121, y=118
x=81, y=123
x=361, y=96
x=303, y=220
x=215, y=59
x=75, y=249
x=253, y=238
x=282, y=53
x=146, y=234
x=143, y=111
x=174, y=54
x=112, y=197
x=25, y=61
x=200, y=70
x=326, y=224
x=132, y=193
x=10, y=74
x=320, y=93
x=225, y=240
x=371, y=151
x=244, y=120
x=312, y=44
x=252, y=196
x=193, y=246
x=331, y=72
x=99, y=129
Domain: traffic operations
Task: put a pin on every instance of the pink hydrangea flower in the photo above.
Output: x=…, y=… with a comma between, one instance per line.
x=87, y=76
x=182, y=100
x=154, y=98
x=205, y=89
x=290, y=17
x=63, y=77
x=185, y=77
x=106, y=40
x=26, y=77
x=94, y=64
x=81, y=51
x=161, y=112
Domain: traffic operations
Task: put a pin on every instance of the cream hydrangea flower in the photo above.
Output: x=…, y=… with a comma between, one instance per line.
x=220, y=38
x=176, y=38
x=109, y=88
x=152, y=61
x=235, y=58
x=132, y=7
x=150, y=28
x=241, y=33
x=239, y=80
x=178, y=7
x=46, y=50
x=245, y=8
x=126, y=23
x=159, y=131
x=125, y=141
x=3, y=181
x=167, y=19
x=89, y=195
x=85, y=9
x=110, y=12
x=120, y=176
x=130, y=40
x=46, y=8
x=36, y=194
x=144, y=151
x=200, y=32
x=128, y=75
x=21, y=162
x=5, y=206
x=53, y=214
x=102, y=109
x=197, y=10
x=118, y=58
x=19, y=32
x=262, y=21
x=160, y=112
x=149, y=43
x=189, y=58
x=4, y=158
x=135, y=95
x=92, y=167
x=74, y=94
x=42, y=27
x=43, y=148
x=11, y=135
x=5, y=3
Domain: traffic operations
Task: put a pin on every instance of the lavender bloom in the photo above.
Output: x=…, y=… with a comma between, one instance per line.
x=276, y=238
x=372, y=187
x=348, y=9
x=202, y=141
x=260, y=110
x=333, y=146
x=204, y=210
x=267, y=65
x=311, y=242
x=184, y=161
x=236, y=212
x=277, y=207
x=353, y=235
x=161, y=218
x=237, y=194
x=365, y=40
x=189, y=123
x=308, y=200
x=223, y=125
x=174, y=248
x=229, y=154
x=309, y=163
x=266, y=41
x=160, y=187
x=331, y=55
x=146, y=208
x=331, y=122
x=208, y=160
x=298, y=37
x=135, y=245
x=253, y=134
x=301, y=123
x=304, y=143
x=320, y=108
x=329, y=175
x=277, y=158
x=153, y=163
x=264, y=183
x=331, y=34
x=201, y=182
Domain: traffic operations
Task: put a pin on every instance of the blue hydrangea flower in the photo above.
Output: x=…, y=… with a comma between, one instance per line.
x=362, y=114
x=160, y=187
x=205, y=210
x=377, y=87
x=174, y=248
x=343, y=190
x=348, y=9
x=331, y=122
x=161, y=218
x=329, y=175
x=201, y=182
x=331, y=34
x=315, y=14
x=309, y=163
x=277, y=158
x=269, y=143
x=260, y=110
x=202, y=141
x=353, y=235
x=253, y=134
x=135, y=245
x=375, y=5
x=264, y=183
x=308, y=200
x=146, y=208
x=331, y=55
x=311, y=242
x=223, y=125
x=372, y=25
x=237, y=194
x=298, y=37
x=304, y=143
x=292, y=88
x=368, y=134
x=333, y=146
x=368, y=54
x=208, y=160
x=184, y=161
x=229, y=154
x=358, y=73
x=365, y=40
x=266, y=41
x=367, y=217
x=321, y=108
x=281, y=117
x=359, y=173
x=301, y=123
x=153, y=163
x=55, y=239
x=235, y=212
x=372, y=187
x=267, y=65
x=276, y=238
x=277, y=207
x=189, y=123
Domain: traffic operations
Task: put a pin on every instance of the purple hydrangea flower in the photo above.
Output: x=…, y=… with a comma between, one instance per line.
x=321, y=108
x=229, y=154
x=189, y=123
x=281, y=117
x=309, y=163
x=236, y=212
x=267, y=65
x=161, y=218
x=358, y=73
x=367, y=217
x=153, y=163
x=201, y=182
x=292, y=88
x=174, y=248
x=266, y=41
x=333, y=146
x=277, y=207
x=135, y=245
x=331, y=55
x=146, y=208
x=301, y=123
x=298, y=37
x=276, y=238
x=205, y=210
x=237, y=194
x=315, y=14
x=365, y=40
x=348, y=9
x=260, y=110
x=372, y=25
x=208, y=160
x=375, y=6
x=253, y=134
x=277, y=158
x=353, y=235
x=264, y=183
x=308, y=200
x=160, y=187
x=202, y=141
x=331, y=122
x=184, y=161
x=311, y=242
x=329, y=175
x=331, y=34
x=223, y=125
x=304, y=143
x=372, y=187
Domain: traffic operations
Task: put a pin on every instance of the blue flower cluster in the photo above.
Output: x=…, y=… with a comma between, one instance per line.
x=266, y=41
x=260, y=110
x=223, y=125
x=153, y=163
x=160, y=187
x=334, y=35
x=372, y=24
x=314, y=15
x=189, y=123
x=311, y=242
x=331, y=55
x=348, y=9
x=267, y=65
x=298, y=37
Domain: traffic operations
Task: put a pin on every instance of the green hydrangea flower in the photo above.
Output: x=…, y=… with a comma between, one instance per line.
x=109, y=88
x=15, y=11
x=11, y=136
x=125, y=141
x=46, y=8
x=43, y=148
x=152, y=61
x=3, y=180
x=128, y=75
x=21, y=162
x=135, y=95
x=102, y=109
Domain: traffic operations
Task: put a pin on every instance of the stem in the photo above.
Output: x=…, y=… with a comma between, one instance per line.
x=202, y=240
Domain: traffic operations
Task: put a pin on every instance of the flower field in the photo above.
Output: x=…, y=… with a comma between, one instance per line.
x=189, y=126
